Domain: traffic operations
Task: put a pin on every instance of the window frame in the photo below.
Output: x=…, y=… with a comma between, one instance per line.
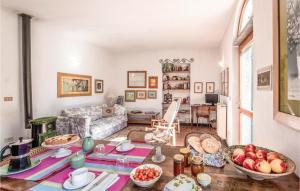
x=239, y=31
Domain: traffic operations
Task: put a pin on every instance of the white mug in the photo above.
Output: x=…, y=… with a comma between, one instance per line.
x=125, y=145
x=78, y=176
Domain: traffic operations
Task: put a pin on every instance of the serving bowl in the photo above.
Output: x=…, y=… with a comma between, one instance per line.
x=204, y=179
x=149, y=183
x=290, y=165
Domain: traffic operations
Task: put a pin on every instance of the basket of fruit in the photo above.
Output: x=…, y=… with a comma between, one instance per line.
x=146, y=175
x=259, y=163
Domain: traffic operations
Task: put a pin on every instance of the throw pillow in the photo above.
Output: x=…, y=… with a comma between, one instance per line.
x=119, y=110
x=107, y=111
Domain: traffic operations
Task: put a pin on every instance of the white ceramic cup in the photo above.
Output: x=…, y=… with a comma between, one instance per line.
x=79, y=176
x=125, y=145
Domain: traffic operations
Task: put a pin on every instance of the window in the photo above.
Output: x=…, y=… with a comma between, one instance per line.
x=245, y=90
x=246, y=15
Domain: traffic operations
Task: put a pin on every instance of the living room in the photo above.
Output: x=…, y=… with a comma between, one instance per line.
x=110, y=43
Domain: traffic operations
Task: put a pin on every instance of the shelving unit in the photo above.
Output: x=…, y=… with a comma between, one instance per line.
x=176, y=85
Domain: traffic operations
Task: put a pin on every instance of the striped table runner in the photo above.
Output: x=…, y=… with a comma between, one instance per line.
x=138, y=154
x=48, y=165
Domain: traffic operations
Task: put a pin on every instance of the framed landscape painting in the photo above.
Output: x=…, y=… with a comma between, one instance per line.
x=141, y=94
x=152, y=94
x=69, y=85
x=136, y=79
x=129, y=95
x=289, y=57
x=264, y=78
x=286, y=66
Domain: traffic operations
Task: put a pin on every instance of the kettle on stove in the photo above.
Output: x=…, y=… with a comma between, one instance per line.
x=20, y=158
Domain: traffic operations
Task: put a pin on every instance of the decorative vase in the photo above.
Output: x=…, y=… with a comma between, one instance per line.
x=88, y=144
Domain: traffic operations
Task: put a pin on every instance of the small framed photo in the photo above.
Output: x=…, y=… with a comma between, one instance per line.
x=153, y=82
x=99, y=86
x=264, y=78
x=198, y=87
x=152, y=94
x=129, y=95
x=141, y=94
x=210, y=87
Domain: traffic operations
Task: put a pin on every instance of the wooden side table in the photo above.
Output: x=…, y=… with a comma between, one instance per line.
x=142, y=118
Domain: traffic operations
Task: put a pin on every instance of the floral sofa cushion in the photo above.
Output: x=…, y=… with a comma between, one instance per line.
x=92, y=111
x=88, y=121
x=104, y=127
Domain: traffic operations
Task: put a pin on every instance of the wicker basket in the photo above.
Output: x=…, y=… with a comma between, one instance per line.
x=258, y=175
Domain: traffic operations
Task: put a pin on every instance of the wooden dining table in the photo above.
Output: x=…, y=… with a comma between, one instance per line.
x=226, y=178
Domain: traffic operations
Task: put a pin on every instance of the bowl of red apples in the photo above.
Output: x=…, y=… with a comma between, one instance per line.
x=259, y=163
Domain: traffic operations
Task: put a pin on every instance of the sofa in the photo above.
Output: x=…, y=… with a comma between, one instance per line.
x=91, y=121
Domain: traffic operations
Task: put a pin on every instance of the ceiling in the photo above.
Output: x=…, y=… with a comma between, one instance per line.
x=135, y=24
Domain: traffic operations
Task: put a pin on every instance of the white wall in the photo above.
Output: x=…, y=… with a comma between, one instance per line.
x=205, y=68
x=267, y=132
x=53, y=50
x=229, y=58
x=12, y=124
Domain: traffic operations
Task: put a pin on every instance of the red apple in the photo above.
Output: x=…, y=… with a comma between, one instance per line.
x=238, y=156
x=249, y=163
x=278, y=166
x=271, y=156
x=262, y=166
x=250, y=148
x=261, y=154
x=251, y=155
x=238, y=151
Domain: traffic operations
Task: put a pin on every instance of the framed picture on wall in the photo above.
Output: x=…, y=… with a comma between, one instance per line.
x=99, y=86
x=129, y=95
x=153, y=82
x=264, y=78
x=210, y=87
x=136, y=79
x=289, y=58
x=198, y=87
x=141, y=94
x=69, y=85
x=152, y=94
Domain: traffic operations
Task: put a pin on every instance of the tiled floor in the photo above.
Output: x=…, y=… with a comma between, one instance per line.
x=121, y=135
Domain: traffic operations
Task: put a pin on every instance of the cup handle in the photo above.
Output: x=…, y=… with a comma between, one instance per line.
x=70, y=175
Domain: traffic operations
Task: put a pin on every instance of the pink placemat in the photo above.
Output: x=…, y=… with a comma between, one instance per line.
x=48, y=165
x=55, y=183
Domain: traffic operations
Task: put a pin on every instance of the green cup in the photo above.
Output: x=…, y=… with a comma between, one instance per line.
x=77, y=161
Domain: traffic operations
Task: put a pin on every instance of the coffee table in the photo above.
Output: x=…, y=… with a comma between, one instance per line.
x=142, y=118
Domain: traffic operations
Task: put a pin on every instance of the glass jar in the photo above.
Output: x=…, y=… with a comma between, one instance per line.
x=186, y=153
x=197, y=165
x=178, y=167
